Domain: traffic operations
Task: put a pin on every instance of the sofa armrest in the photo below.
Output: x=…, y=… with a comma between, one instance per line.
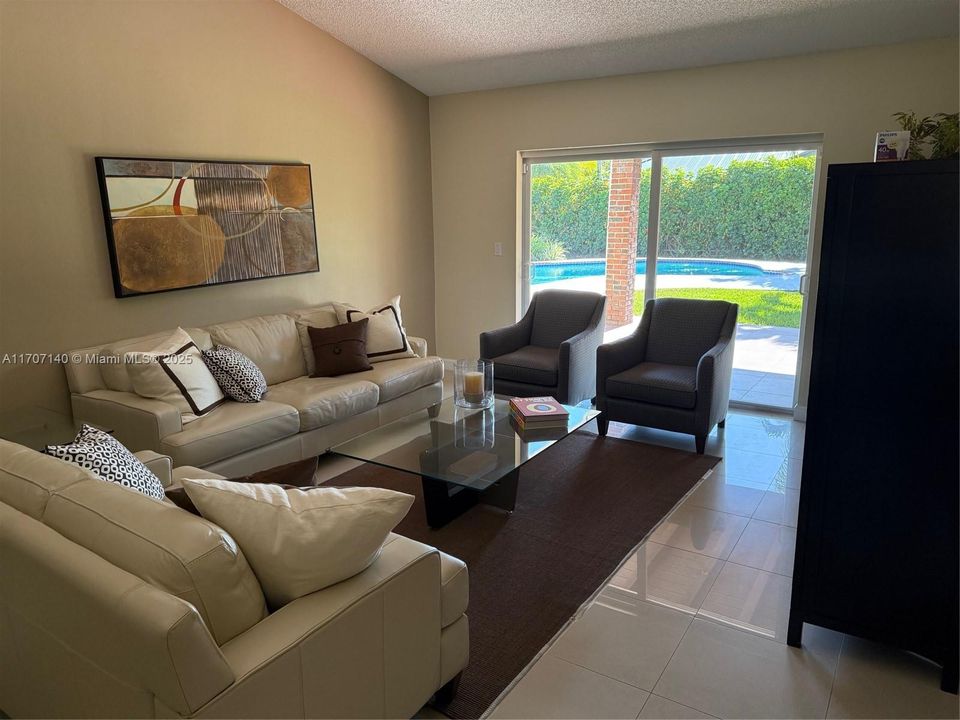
x=194, y=473
x=365, y=647
x=137, y=422
x=159, y=465
x=125, y=634
x=578, y=361
x=714, y=373
x=615, y=357
x=418, y=345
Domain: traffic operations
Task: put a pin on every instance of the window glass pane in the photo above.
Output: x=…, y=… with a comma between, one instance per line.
x=735, y=227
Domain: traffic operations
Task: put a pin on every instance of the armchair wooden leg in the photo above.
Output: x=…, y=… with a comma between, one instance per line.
x=701, y=444
x=722, y=424
x=434, y=410
x=602, y=425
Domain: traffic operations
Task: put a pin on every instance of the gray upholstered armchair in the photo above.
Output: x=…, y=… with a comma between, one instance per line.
x=673, y=372
x=552, y=350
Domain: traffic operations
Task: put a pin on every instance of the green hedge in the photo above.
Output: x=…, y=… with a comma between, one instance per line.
x=751, y=209
x=569, y=208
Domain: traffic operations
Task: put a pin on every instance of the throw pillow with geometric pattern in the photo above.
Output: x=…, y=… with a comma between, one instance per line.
x=106, y=457
x=236, y=374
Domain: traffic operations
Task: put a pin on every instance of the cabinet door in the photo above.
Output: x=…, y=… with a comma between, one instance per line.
x=881, y=459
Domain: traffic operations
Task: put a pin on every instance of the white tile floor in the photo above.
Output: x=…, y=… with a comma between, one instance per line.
x=693, y=624
x=763, y=387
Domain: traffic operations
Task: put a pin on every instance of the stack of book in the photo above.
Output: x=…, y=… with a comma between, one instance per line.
x=538, y=413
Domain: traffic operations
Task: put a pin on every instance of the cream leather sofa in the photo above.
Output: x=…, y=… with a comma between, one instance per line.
x=116, y=605
x=299, y=417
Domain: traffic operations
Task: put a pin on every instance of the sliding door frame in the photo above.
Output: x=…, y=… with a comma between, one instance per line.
x=656, y=152
x=537, y=157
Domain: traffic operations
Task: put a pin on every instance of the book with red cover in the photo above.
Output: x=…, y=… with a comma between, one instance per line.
x=538, y=409
x=559, y=422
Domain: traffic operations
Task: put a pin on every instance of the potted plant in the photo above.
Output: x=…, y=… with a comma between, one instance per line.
x=932, y=137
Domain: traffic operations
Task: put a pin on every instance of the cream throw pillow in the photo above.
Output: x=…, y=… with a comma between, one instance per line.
x=322, y=318
x=175, y=373
x=386, y=338
x=300, y=541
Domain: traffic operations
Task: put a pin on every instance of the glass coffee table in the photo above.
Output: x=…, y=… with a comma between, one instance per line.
x=463, y=456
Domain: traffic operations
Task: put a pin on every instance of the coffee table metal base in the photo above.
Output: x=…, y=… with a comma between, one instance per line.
x=445, y=501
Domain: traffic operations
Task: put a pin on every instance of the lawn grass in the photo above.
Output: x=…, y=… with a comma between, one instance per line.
x=757, y=307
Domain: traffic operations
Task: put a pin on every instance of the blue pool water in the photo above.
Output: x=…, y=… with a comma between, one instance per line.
x=550, y=271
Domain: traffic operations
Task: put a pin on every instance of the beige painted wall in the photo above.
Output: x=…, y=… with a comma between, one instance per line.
x=197, y=79
x=475, y=137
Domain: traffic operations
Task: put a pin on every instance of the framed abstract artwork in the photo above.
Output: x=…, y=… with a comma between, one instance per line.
x=175, y=224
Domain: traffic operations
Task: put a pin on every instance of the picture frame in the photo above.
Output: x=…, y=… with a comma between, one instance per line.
x=174, y=224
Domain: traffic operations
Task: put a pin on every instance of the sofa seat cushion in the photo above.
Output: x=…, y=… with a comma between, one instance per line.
x=532, y=365
x=323, y=401
x=231, y=429
x=657, y=383
x=454, y=589
x=399, y=377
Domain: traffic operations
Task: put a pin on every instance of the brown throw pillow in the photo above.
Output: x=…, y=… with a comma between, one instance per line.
x=297, y=474
x=340, y=349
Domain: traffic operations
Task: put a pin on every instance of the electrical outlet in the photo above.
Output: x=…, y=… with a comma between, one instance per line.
x=498, y=249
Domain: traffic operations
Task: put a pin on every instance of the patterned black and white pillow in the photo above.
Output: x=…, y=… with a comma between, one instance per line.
x=107, y=458
x=236, y=374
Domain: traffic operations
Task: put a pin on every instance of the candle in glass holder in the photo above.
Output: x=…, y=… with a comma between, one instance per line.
x=473, y=386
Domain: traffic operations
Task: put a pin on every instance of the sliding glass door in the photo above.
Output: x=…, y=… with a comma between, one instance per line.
x=584, y=218
x=735, y=226
x=714, y=221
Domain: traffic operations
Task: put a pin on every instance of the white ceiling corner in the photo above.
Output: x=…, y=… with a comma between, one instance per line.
x=448, y=46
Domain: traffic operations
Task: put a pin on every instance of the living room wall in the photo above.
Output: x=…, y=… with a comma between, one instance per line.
x=475, y=137
x=193, y=79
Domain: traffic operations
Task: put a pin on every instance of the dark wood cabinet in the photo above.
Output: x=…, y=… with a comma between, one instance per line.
x=877, y=544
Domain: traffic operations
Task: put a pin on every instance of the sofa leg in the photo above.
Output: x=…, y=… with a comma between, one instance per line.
x=722, y=424
x=701, y=444
x=602, y=425
x=444, y=695
x=433, y=410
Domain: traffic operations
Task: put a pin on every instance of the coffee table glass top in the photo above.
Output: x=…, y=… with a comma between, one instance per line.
x=469, y=448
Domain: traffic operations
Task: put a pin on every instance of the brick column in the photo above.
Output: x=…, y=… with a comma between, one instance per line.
x=622, y=240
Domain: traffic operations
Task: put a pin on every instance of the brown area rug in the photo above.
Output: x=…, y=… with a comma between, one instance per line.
x=582, y=506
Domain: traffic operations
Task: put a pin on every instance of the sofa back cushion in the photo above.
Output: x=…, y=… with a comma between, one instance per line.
x=682, y=330
x=113, y=366
x=322, y=316
x=177, y=552
x=270, y=341
x=560, y=314
x=83, y=376
x=28, y=478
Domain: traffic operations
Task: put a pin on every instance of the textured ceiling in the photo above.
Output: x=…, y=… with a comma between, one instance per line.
x=446, y=46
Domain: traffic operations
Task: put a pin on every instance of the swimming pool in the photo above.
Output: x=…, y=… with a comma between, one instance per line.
x=542, y=272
